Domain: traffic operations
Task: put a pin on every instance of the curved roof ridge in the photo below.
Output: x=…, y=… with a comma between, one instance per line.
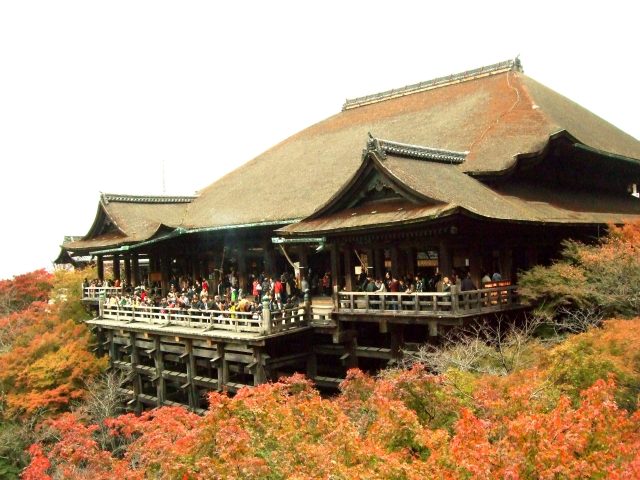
x=417, y=152
x=484, y=71
x=127, y=198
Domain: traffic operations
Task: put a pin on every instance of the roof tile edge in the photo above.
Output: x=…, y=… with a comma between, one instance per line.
x=493, y=69
x=110, y=197
x=417, y=152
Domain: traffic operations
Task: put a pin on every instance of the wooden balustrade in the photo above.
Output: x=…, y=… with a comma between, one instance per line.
x=230, y=321
x=451, y=303
x=429, y=303
x=94, y=293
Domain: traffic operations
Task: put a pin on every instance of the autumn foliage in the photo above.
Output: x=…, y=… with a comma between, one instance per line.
x=402, y=424
x=45, y=356
x=604, y=277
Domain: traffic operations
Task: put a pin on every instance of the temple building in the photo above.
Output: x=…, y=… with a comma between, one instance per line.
x=482, y=172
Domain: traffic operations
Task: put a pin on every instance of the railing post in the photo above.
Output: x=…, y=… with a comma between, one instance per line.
x=101, y=306
x=307, y=307
x=454, y=298
x=266, y=315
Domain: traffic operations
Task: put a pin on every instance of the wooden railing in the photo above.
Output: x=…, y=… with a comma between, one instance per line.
x=230, y=321
x=94, y=293
x=430, y=303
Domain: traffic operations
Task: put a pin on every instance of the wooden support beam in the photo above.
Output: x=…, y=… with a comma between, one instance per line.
x=348, y=268
x=135, y=267
x=116, y=266
x=161, y=387
x=100, y=267
x=223, y=366
x=127, y=269
x=194, y=400
x=137, y=380
x=259, y=375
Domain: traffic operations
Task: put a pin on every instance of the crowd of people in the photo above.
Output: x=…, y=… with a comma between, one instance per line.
x=422, y=283
x=194, y=295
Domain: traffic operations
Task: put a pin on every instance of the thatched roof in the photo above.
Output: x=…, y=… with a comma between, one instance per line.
x=427, y=189
x=125, y=219
x=495, y=115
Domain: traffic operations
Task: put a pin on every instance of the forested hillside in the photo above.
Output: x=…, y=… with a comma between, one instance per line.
x=553, y=396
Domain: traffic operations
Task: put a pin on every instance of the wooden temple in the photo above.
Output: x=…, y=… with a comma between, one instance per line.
x=479, y=172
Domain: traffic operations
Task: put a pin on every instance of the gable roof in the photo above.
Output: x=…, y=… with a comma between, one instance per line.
x=496, y=114
x=123, y=219
x=431, y=189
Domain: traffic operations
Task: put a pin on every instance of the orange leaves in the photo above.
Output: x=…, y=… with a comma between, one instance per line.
x=285, y=430
x=44, y=358
x=22, y=290
x=49, y=370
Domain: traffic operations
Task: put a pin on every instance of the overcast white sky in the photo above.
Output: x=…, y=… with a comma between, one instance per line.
x=95, y=96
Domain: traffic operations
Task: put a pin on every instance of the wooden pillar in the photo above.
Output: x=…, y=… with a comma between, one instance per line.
x=445, y=258
x=379, y=263
x=127, y=269
x=137, y=381
x=335, y=270
x=269, y=258
x=506, y=261
x=113, y=349
x=161, y=386
x=396, y=340
x=165, y=268
x=192, y=391
x=259, y=374
x=410, y=265
x=100, y=267
x=348, y=268
x=303, y=260
x=220, y=362
x=116, y=267
x=135, y=267
x=475, y=265
x=312, y=365
x=195, y=268
x=242, y=273
x=371, y=271
x=395, y=261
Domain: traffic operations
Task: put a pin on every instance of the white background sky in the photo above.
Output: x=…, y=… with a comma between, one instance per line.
x=95, y=96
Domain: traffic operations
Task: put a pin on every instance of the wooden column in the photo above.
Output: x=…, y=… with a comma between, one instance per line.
x=192, y=391
x=137, y=381
x=396, y=340
x=259, y=374
x=506, y=261
x=395, y=261
x=165, y=268
x=303, y=260
x=335, y=270
x=269, y=258
x=445, y=259
x=116, y=267
x=127, y=269
x=222, y=365
x=100, y=267
x=371, y=271
x=113, y=349
x=348, y=268
x=379, y=263
x=161, y=386
x=242, y=268
x=475, y=265
x=135, y=267
x=195, y=267
x=410, y=265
